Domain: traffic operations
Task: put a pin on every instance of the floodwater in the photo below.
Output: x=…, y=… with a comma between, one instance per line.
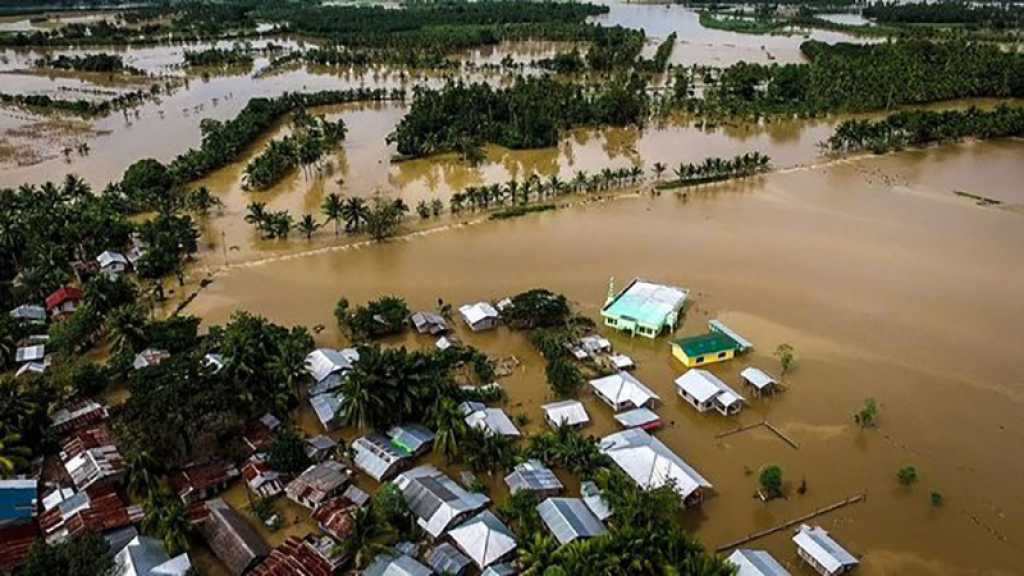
x=887, y=283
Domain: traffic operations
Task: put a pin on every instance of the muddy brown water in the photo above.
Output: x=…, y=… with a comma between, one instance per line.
x=888, y=285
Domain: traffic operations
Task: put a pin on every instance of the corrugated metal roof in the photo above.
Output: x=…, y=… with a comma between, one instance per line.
x=484, y=538
x=757, y=378
x=756, y=563
x=636, y=418
x=446, y=559
x=507, y=569
x=719, y=326
x=29, y=312
x=704, y=385
x=493, y=420
x=566, y=413
x=646, y=302
x=623, y=387
x=650, y=463
x=323, y=362
x=817, y=543
x=595, y=501
x=436, y=500
x=327, y=406
x=388, y=565
x=412, y=438
x=569, y=519
x=18, y=499
x=474, y=313
x=29, y=353
x=375, y=455
x=533, y=475
x=144, y=556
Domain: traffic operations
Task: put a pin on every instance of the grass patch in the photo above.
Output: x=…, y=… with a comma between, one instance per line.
x=518, y=211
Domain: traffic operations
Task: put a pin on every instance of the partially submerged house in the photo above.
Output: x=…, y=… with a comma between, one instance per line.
x=99, y=510
x=149, y=357
x=231, y=538
x=816, y=547
x=755, y=563
x=414, y=439
x=145, y=556
x=742, y=344
x=309, y=556
x=318, y=483
x=446, y=559
x=480, y=316
x=324, y=363
x=484, y=539
x=78, y=415
x=533, y=476
x=643, y=308
x=262, y=480
x=90, y=458
x=113, y=264
x=651, y=464
x=64, y=301
x=320, y=448
x=705, y=391
x=569, y=519
x=435, y=500
x=595, y=501
x=704, y=349
x=429, y=323
x=327, y=408
x=622, y=391
x=639, y=418
x=34, y=353
x=565, y=413
x=258, y=434
x=490, y=420
x=759, y=380
x=29, y=313
x=334, y=517
x=375, y=455
x=198, y=482
x=396, y=565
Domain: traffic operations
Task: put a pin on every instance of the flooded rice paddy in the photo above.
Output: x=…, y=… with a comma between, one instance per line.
x=888, y=284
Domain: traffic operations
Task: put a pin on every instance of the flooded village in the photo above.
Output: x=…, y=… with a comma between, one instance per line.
x=720, y=340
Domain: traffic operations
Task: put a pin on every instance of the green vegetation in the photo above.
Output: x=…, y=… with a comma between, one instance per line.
x=101, y=62
x=741, y=24
x=567, y=448
x=518, y=211
x=922, y=127
x=79, y=107
x=537, y=308
x=531, y=113
x=867, y=417
x=787, y=357
x=85, y=555
x=995, y=16
x=907, y=475
x=937, y=499
x=218, y=58
x=853, y=77
x=287, y=453
x=770, y=480
x=379, y=318
x=311, y=139
x=716, y=170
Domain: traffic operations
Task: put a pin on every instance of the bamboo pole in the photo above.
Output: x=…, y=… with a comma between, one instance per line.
x=762, y=533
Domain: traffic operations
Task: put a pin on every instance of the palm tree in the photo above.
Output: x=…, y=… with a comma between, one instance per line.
x=659, y=169
x=126, y=329
x=536, y=555
x=13, y=456
x=166, y=518
x=308, y=225
x=332, y=208
x=141, y=472
x=257, y=213
x=369, y=537
x=450, y=426
x=355, y=213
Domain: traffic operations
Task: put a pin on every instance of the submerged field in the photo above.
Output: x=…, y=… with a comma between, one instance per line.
x=884, y=273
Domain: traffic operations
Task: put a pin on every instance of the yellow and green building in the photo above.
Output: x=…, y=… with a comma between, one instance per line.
x=704, y=349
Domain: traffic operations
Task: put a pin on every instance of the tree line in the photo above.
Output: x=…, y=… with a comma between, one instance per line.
x=717, y=169
x=922, y=127
x=995, y=15
x=80, y=106
x=218, y=57
x=101, y=62
x=311, y=138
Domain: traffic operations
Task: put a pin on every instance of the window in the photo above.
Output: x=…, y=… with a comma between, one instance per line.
x=721, y=354
x=700, y=359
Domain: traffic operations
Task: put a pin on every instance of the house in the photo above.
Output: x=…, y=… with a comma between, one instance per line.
x=484, y=539
x=30, y=354
x=594, y=345
x=258, y=434
x=320, y=448
x=18, y=500
x=334, y=517
x=704, y=349
x=565, y=413
x=821, y=552
x=112, y=264
x=325, y=362
x=643, y=308
x=91, y=459
x=98, y=509
x=33, y=368
x=759, y=380
x=414, y=439
x=480, y=316
x=149, y=357
x=446, y=559
x=64, y=301
x=429, y=323
x=533, y=476
x=327, y=408
x=503, y=569
x=309, y=556
x=623, y=391
x=651, y=464
x=704, y=391
x=396, y=565
x=490, y=420
x=198, y=482
x=231, y=538
x=317, y=484
x=569, y=519
x=356, y=495
x=144, y=556
x=621, y=362
x=639, y=418
x=17, y=541
x=435, y=500
x=29, y=313
x=756, y=563
x=595, y=501
x=445, y=342
x=262, y=480
x=375, y=455
x=742, y=344
x=78, y=415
